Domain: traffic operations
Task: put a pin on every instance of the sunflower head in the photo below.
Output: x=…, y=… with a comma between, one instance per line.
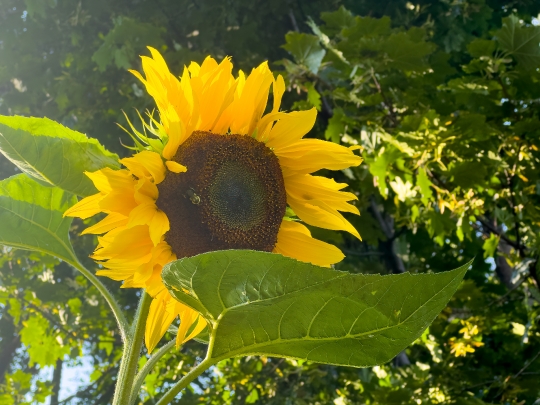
x=214, y=173
x=232, y=196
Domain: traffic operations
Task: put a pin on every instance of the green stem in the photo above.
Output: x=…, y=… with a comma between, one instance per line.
x=132, y=350
x=123, y=324
x=145, y=370
x=188, y=378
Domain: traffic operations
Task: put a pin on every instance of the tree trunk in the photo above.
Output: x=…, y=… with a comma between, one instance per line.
x=7, y=356
x=56, y=381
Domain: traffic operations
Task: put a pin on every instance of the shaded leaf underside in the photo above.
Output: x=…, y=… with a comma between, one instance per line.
x=31, y=217
x=53, y=154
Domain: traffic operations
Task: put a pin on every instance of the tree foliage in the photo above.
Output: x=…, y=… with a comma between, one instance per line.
x=443, y=99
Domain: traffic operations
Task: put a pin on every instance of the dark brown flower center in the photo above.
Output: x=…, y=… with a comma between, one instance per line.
x=232, y=196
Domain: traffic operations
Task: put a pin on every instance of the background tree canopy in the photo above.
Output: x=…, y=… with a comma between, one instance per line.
x=443, y=97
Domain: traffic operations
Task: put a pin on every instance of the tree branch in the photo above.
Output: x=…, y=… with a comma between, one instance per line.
x=387, y=102
x=510, y=181
x=486, y=223
x=293, y=18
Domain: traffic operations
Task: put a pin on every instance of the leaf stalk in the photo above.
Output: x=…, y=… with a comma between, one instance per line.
x=147, y=368
x=186, y=380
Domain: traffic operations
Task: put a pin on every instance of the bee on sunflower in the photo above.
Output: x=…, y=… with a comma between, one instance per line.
x=220, y=173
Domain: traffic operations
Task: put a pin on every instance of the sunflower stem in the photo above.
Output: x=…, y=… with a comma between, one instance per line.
x=145, y=370
x=121, y=320
x=132, y=350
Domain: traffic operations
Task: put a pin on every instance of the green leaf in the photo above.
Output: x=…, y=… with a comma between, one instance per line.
x=264, y=303
x=439, y=226
x=336, y=126
x=473, y=126
x=6, y=399
x=42, y=392
x=252, y=397
x=31, y=217
x=43, y=347
x=490, y=245
x=368, y=26
x=472, y=85
x=305, y=49
x=481, y=47
x=313, y=96
x=469, y=174
x=379, y=167
x=19, y=378
x=106, y=344
x=15, y=310
x=424, y=183
x=74, y=305
x=337, y=20
x=404, y=53
x=521, y=42
x=53, y=154
x=124, y=41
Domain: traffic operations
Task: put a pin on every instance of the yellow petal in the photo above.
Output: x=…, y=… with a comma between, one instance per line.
x=216, y=92
x=188, y=317
x=304, y=188
x=116, y=275
x=111, y=221
x=160, y=62
x=294, y=241
x=142, y=274
x=159, y=226
x=201, y=324
x=278, y=90
x=152, y=217
x=194, y=69
x=154, y=285
x=320, y=214
x=175, y=167
x=251, y=100
x=290, y=128
x=141, y=215
x=146, y=164
x=173, y=98
x=118, y=201
x=158, y=321
x=310, y=155
x=107, y=180
x=146, y=192
x=208, y=66
x=175, y=130
x=85, y=208
x=130, y=244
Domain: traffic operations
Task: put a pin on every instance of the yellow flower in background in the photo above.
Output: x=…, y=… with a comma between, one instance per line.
x=471, y=339
x=219, y=174
x=461, y=348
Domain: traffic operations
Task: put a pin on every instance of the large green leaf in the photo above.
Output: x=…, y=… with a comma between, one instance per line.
x=31, y=217
x=306, y=50
x=52, y=153
x=263, y=303
x=522, y=42
x=404, y=53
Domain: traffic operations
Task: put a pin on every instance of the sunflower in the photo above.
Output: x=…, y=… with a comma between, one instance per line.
x=216, y=172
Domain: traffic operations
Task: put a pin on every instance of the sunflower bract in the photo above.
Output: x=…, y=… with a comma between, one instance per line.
x=137, y=234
